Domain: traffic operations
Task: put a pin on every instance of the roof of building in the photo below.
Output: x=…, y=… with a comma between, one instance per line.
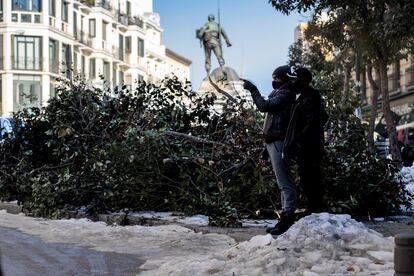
x=170, y=53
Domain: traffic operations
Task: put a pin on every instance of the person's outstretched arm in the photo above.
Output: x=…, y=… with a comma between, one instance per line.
x=274, y=104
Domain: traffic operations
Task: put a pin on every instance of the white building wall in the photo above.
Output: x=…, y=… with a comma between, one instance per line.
x=143, y=23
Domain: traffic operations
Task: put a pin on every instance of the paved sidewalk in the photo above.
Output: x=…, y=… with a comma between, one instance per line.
x=23, y=254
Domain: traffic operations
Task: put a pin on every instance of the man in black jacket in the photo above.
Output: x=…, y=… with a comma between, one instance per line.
x=277, y=108
x=305, y=139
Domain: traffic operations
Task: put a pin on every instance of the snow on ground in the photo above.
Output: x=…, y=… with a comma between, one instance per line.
x=320, y=244
x=199, y=220
x=158, y=242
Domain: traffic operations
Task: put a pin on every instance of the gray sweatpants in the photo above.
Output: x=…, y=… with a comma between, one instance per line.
x=284, y=179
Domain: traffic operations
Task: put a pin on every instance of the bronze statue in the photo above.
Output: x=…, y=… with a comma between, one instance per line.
x=209, y=34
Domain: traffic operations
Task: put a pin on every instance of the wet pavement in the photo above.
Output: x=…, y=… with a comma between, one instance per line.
x=23, y=254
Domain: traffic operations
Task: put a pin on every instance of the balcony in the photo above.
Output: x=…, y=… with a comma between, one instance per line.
x=83, y=38
x=142, y=62
x=118, y=53
x=27, y=63
x=98, y=3
x=136, y=21
x=54, y=66
x=52, y=21
x=26, y=17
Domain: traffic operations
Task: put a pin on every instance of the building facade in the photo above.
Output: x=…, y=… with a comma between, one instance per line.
x=177, y=65
x=401, y=91
x=109, y=42
x=400, y=88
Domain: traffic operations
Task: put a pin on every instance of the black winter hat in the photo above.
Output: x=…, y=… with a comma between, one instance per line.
x=304, y=75
x=284, y=73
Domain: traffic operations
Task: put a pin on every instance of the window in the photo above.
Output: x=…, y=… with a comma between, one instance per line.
x=128, y=8
x=140, y=79
x=53, y=56
x=27, y=53
x=106, y=70
x=113, y=74
x=92, y=28
x=1, y=53
x=121, y=47
x=92, y=68
x=75, y=62
x=394, y=78
x=52, y=87
x=26, y=91
x=52, y=8
x=1, y=96
x=66, y=59
x=65, y=11
x=83, y=62
x=27, y=5
x=75, y=24
x=128, y=44
x=81, y=22
x=141, y=48
x=63, y=57
x=121, y=77
x=104, y=30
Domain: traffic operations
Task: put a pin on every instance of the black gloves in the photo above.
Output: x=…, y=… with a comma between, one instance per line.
x=248, y=85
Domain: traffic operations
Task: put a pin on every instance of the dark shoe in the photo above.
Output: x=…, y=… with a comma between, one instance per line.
x=286, y=221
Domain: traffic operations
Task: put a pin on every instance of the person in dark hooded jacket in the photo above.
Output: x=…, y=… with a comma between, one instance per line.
x=277, y=109
x=304, y=140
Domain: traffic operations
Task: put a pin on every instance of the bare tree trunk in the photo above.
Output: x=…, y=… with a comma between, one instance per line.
x=364, y=85
x=358, y=75
x=374, y=109
x=391, y=130
x=347, y=77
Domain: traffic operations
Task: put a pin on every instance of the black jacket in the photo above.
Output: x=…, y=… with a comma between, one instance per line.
x=278, y=108
x=305, y=133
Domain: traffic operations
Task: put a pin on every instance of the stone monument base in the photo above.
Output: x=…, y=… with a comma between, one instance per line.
x=224, y=83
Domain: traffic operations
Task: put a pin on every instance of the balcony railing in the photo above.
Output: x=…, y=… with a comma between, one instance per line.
x=122, y=18
x=83, y=37
x=136, y=21
x=54, y=66
x=26, y=17
x=98, y=3
x=52, y=21
x=118, y=53
x=27, y=63
x=65, y=27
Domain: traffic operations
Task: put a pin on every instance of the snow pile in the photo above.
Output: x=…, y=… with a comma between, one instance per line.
x=320, y=244
x=407, y=175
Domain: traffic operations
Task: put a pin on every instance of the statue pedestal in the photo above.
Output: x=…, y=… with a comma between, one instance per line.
x=228, y=82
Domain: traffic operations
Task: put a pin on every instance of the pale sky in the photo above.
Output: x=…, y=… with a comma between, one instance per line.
x=260, y=35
